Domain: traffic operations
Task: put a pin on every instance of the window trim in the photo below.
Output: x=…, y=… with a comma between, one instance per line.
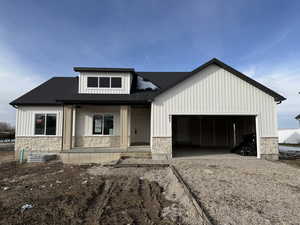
x=103, y=115
x=104, y=88
x=45, y=114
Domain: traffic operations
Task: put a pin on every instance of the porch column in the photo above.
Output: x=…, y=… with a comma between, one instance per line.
x=124, y=126
x=67, y=127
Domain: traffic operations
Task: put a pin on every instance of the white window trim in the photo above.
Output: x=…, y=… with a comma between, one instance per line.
x=45, y=135
x=105, y=88
x=103, y=114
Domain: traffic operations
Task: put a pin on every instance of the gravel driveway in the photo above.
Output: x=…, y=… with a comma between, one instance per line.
x=244, y=190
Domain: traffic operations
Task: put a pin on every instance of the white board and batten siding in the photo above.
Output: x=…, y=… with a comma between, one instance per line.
x=125, y=89
x=25, y=119
x=213, y=91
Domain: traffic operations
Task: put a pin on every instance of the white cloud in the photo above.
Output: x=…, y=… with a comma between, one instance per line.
x=284, y=79
x=15, y=80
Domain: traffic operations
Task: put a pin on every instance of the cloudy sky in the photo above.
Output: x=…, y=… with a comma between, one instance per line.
x=41, y=39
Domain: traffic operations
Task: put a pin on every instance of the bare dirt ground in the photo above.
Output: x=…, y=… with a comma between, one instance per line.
x=61, y=194
x=6, y=156
x=243, y=190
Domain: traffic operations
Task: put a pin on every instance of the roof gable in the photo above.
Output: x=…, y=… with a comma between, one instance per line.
x=185, y=75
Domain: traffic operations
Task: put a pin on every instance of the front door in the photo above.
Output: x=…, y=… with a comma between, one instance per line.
x=140, y=126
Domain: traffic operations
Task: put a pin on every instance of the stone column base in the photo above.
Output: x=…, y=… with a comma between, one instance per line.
x=161, y=148
x=270, y=157
x=161, y=156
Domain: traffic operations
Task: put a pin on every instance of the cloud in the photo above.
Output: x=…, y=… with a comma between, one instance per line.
x=15, y=80
x=283, y=78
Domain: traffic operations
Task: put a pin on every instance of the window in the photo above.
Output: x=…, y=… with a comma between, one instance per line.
x=92, y=82
x=103, y=124
x=45, y=124
x=39, y=124
x=97, y=124
x=116, y=82
x=104, y=82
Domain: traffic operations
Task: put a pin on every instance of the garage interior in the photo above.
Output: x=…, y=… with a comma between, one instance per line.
x=194, y=135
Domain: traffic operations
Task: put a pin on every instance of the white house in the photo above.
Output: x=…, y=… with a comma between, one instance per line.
x=105, y=113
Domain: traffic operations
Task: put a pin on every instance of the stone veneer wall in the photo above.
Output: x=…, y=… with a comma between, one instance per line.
x=269, y=148
x=97, y=141
x=38, y=144
x=161, y=148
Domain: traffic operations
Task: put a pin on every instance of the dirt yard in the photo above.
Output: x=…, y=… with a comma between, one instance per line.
x=233, y=190
x=6, y=156
x=239, y=190
x=62, y=194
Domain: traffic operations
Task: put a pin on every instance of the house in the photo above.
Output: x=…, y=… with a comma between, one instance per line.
x=105, y=113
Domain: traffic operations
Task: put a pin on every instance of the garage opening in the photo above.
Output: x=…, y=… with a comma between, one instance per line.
x=202, y=135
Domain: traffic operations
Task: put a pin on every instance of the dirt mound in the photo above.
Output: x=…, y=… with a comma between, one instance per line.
x=62, y=194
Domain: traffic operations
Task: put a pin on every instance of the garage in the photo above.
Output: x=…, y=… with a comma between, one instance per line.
x=206, y=134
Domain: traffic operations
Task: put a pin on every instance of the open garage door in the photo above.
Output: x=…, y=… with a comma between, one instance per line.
x=200, y=135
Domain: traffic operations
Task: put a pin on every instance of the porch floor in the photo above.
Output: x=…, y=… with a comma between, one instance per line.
x=109, y=150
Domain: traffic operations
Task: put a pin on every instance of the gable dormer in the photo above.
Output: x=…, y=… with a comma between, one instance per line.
x=104, y=80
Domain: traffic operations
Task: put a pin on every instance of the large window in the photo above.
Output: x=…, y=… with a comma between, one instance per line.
x=104, y=82
x=45, y=124
x=103, y=124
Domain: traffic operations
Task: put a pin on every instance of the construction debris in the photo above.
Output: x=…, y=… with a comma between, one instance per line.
x=247, y=147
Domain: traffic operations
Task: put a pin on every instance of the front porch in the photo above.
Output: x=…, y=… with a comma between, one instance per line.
x=93, y=133
x=102, y=155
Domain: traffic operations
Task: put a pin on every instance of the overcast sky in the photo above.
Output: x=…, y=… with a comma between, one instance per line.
x=41, y=39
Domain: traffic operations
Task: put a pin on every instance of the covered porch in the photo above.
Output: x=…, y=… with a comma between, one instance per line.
x=106, y=129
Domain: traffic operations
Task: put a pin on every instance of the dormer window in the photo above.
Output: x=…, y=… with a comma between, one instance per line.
x=116, y=82
x=92, y=82
x=104, y=82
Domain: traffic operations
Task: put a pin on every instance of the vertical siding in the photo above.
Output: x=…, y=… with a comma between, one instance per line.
x=84, y=119
x=214, y=91
x=126, y=83
x=25, y=119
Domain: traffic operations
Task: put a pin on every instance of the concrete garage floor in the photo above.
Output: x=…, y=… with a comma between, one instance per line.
x=195, y=152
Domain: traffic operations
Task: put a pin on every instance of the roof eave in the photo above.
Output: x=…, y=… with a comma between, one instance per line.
x=97, y=69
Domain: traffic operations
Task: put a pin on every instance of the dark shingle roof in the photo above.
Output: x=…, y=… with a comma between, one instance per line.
x=60, y=90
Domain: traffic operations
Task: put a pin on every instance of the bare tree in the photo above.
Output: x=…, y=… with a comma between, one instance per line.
x=6, y=127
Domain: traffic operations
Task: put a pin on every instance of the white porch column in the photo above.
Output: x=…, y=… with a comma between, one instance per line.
x=74, y=128
x=67, y=127
x=124, y=126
